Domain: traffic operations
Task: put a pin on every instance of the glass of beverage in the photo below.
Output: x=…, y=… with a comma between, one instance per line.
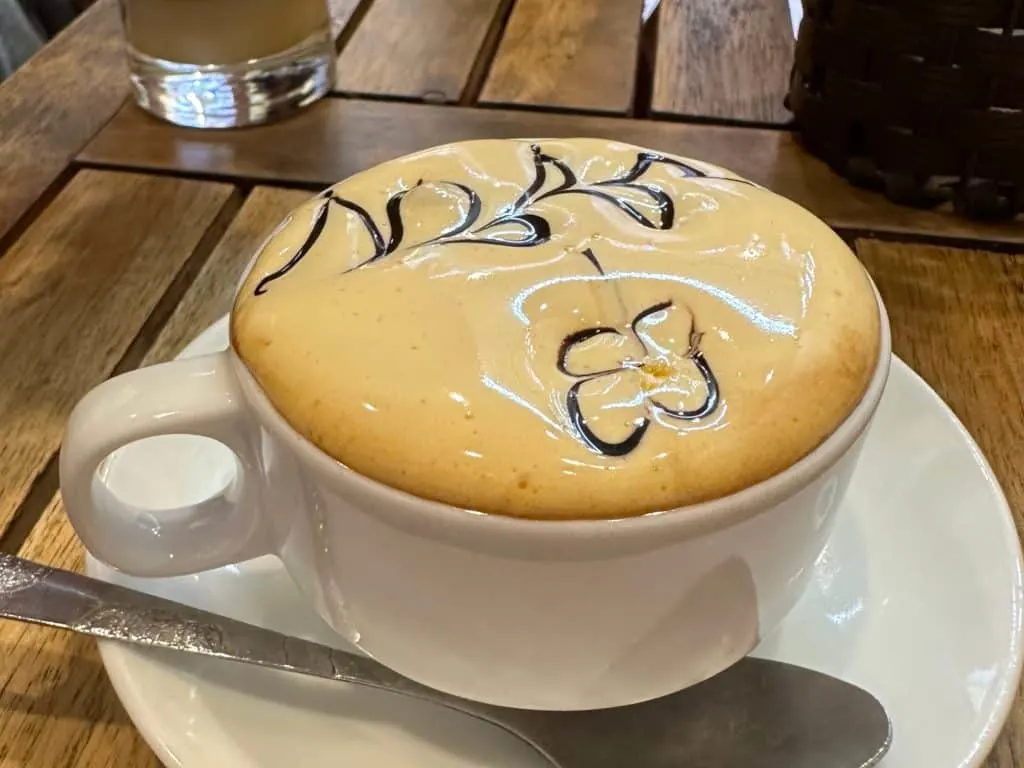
x=228, y=63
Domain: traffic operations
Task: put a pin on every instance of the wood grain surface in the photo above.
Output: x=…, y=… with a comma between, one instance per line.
x=103, y=270
x=571, y=54
x=957, y=320
x=49, y=677
x=416, y=49
x=53, y=105
x=338, y=137
x=79, y=286
x=723, y=59
x=341, y=12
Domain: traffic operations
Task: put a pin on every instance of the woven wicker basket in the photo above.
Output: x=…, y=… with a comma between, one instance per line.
x=923, y=99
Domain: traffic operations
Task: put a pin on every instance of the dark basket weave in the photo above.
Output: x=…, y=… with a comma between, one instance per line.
x=923, y=99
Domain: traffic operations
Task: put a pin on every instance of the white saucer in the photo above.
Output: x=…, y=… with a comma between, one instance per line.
x=917, y=598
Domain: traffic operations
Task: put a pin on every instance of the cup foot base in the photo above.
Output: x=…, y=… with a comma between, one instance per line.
x=234, y=95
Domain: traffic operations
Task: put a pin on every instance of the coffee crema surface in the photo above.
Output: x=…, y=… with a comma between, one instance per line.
x=558, y=329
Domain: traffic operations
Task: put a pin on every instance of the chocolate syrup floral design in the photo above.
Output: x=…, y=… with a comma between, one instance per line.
x=516, y=225
x=648, y=380
x=660, y=373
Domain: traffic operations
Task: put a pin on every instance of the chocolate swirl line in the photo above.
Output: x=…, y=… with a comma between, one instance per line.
x=710, y=403
x=536, y=231
x=319, y=222
x=472, y=213
x=579, y=337
x=588, y=254
x=603, y=447
x=534, y=228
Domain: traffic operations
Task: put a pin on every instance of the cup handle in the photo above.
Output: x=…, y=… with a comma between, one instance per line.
x=197, y=396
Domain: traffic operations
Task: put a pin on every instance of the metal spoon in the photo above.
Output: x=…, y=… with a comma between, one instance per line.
x=757, y=714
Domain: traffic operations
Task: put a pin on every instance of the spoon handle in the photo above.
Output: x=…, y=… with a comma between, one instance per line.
x=41, y=595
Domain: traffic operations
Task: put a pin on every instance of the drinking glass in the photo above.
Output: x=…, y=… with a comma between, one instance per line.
x=228, y=63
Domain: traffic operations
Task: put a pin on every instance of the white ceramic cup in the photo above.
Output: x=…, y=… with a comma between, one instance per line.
x=533, y=614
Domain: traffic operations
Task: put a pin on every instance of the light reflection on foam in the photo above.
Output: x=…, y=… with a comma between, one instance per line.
x=490, y=383
x=777, y=325
x=716, y=421
x=482, y=273
x=754, y=249
x=806, y=283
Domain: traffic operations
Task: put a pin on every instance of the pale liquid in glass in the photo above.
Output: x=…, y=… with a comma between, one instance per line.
x=228, y=63
x=221, y=31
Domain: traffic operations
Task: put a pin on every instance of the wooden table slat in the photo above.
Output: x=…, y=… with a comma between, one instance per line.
x=416, y=49
x=52, y=106
x=79, y=285
x=570, y=54
x=60, y=673
x=337, y=137
x=726, y=59
x=341, y=12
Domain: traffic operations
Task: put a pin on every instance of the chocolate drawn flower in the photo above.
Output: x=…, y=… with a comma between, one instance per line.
x=625, y=379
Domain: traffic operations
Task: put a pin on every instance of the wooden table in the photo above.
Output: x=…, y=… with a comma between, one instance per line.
x=121, y=237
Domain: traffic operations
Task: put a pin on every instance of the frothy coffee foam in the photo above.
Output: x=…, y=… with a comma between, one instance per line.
x=558, y=329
